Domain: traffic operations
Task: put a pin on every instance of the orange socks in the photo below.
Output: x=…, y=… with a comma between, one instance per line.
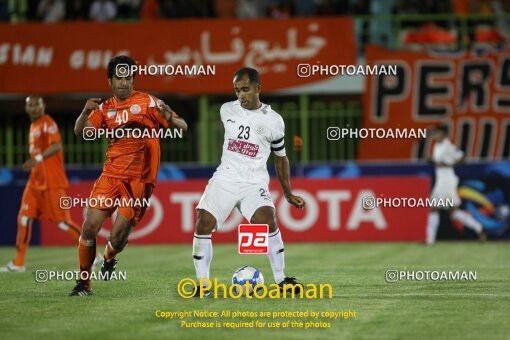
x=110, y=252
x=86, y=255
x=23, y=239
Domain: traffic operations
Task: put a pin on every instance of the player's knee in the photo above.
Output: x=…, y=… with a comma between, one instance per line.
x=204, y=228
x=205, y=223
x=89, y=230
x=271, y=222
x=272, y=226
x=268, y=219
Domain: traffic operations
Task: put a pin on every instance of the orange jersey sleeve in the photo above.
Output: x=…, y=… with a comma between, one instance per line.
x=49, y=173
x=96, y=117
x=153, y=112
x=51, y=132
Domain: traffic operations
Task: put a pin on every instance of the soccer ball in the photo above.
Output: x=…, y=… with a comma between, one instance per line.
x=245, y=274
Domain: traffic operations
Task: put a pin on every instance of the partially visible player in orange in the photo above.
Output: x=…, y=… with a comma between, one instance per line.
x=46, y=185
x=131, y=168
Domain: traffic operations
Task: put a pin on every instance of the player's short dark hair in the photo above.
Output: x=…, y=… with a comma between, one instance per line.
x=120, y=59
x=252, y=73
x=442, y=128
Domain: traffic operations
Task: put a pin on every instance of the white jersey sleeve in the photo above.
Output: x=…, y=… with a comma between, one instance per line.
x=456, y=154
x=447, y=153
x=278, y=138
x=223, y=113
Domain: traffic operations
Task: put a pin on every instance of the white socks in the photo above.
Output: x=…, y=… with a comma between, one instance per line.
x=467, y=220
x=458, y=215
x=276, y=255
x=432, y=225
x=202, y=255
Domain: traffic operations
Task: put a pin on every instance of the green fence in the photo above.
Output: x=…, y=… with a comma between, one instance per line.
x=304, y=116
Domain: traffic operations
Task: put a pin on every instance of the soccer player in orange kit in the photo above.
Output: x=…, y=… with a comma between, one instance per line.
x=46, y=185
x=131, y=168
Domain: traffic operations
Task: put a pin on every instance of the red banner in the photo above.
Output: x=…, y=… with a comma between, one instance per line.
x=335, y=212
x=72, y=57
x=469, y=93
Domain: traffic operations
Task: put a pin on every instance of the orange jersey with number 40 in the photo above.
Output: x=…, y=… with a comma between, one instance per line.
x=130, y=157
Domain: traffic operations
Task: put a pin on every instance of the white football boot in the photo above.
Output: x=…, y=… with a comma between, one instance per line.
x=12, y=268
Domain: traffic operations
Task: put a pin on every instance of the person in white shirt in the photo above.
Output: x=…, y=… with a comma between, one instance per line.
x=445, y=156
x=51, y=10
x=103, y=10
x=252, y=131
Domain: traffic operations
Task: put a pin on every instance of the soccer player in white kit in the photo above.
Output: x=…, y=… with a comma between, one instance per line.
x=445, y=156
x=252, y=131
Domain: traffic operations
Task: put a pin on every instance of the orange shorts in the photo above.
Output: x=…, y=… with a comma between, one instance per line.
x=129, y=196
x=44, y=202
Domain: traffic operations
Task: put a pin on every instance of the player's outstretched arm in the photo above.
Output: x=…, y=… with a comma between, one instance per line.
x=83, y=121
x=178, y=122
x=283, y=174
x=51, y=150
x=461, y=158
x=170, y=116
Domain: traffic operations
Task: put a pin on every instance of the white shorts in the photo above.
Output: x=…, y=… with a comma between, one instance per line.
x=222, y=195
x=446, y=190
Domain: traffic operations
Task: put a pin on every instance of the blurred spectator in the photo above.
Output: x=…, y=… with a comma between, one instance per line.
x=304, y=8
x=77, y=9
x=18, y=10
x=250, y=9
x=103, y=10
x=225, y=8
x=128, y=9
x=150, y=10
x=51, y=10
x=279, y=9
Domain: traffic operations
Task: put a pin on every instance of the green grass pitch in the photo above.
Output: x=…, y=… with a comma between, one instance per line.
x=407, y=309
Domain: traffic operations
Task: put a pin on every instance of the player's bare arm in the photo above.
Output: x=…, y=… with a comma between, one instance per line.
x=53, y=149
x=83, y=121
x=461, y=160
x=170, y=116
x=283, y=174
